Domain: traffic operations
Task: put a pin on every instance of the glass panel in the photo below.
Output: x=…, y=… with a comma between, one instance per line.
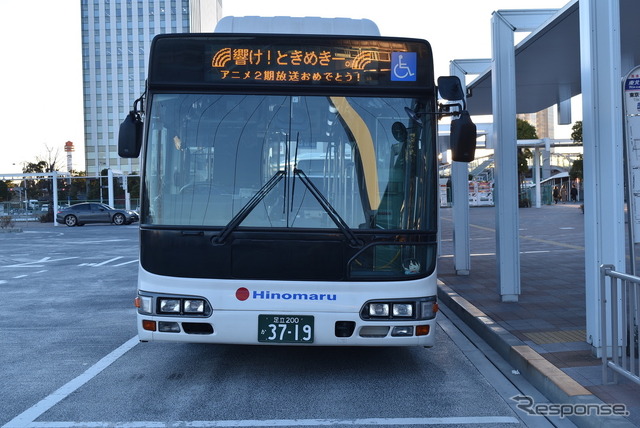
x=393, y=260
x=363, y=159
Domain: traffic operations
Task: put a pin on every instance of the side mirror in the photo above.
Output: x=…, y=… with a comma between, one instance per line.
x=462, y=139
x=450, y=88
x=399, y=132
x=130, y=136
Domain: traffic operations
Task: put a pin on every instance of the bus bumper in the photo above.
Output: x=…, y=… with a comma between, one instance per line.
x=245, y=328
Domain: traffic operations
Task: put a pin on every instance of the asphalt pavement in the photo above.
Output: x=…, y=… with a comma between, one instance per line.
x=70, y=358
x=543, y=335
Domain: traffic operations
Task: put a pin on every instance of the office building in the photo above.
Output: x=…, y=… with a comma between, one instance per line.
x=116, y=35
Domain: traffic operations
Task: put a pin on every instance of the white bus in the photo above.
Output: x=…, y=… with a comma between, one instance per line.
x=290, y=189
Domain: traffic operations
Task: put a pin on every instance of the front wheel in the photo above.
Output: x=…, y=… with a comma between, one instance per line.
x=71, y=220
x=118, y=219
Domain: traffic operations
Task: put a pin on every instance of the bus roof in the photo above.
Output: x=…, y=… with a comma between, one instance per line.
x=297, y=25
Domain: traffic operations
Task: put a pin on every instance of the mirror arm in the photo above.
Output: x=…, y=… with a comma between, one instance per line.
x=139, y=101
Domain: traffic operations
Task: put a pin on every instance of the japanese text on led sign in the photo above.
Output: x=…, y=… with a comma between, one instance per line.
x=296, y=65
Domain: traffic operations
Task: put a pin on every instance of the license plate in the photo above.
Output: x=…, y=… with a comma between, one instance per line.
x=285, y=328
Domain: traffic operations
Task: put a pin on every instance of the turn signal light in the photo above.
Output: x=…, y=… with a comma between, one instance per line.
x=422, y=330
x=149, y=325
x=143, y=303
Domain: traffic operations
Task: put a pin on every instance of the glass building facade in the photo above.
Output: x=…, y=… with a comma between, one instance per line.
x=116, y=35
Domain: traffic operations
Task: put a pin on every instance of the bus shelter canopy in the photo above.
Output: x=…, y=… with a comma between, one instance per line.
x=548, y=61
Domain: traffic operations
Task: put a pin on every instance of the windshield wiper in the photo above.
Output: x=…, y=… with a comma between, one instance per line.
x=249, y=206
x=264, y=191
x=333, y=214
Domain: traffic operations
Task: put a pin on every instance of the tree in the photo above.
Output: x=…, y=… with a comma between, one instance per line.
x=4, y=190
x=576, y=169
x=525, y=131
x=576, y=132
x=36, y=189
x=43, y=189
x=576, y=135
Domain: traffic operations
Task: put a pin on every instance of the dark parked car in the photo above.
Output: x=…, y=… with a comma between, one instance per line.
x=88, y=212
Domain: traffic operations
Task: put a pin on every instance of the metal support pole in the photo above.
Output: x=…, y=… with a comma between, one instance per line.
x=54, y=177
x=603, y=139
x=110, y=186
x=505, y=156
x=503, y=81
x=536, y=175
x=461, y=237
x=564, y=105
x=127, y=195
x=460, y=197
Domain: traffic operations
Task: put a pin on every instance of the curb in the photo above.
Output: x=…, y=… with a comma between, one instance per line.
x=552, y=382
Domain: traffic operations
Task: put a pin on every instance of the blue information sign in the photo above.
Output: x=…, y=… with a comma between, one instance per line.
x=403, y=66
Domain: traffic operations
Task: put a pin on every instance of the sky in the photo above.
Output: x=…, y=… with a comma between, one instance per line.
x=41, y=69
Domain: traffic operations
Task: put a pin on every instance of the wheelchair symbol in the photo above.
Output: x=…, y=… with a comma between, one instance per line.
x=403, y=66
x=402, y=70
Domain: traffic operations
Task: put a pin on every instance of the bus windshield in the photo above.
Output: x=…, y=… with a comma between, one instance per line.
x=209, y=154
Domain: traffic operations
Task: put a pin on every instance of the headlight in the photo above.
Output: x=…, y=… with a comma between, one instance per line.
x=379, y=309
x=402, y=309
x=420, y=308
x=170, y=306
x=193, y=306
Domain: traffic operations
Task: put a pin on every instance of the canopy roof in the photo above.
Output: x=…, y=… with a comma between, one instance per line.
x=548, y=61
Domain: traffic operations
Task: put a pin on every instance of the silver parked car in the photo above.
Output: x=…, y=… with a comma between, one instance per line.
x=90, y=212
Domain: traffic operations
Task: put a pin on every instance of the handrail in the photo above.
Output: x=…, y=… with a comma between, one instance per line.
x=619, y=302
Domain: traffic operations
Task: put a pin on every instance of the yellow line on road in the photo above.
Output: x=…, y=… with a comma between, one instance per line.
x=559, y=244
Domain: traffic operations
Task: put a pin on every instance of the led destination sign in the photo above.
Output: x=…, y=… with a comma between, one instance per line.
x=292, y=65
x=291, y=60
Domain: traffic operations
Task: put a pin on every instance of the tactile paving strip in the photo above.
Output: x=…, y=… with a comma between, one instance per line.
x=557, y=336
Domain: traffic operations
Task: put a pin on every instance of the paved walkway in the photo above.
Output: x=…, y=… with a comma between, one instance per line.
x=550, y=314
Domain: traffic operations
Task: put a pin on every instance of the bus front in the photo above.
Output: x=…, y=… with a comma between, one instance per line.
x=289, y=191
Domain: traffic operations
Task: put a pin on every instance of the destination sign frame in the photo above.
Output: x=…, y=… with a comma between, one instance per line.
x=291, y=60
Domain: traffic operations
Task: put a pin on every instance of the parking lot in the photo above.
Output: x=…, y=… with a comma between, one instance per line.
x=70, y=358
x=68, y=296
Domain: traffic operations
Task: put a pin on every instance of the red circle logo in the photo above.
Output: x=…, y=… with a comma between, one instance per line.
x=242, y=294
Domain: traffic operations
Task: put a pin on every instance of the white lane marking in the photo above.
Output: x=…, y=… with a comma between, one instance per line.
x=454, y=420
x=448, y=256
x=101, y=241
x=27, y=417
x=43, y=232
x=126, y=263
x=42, y=260
x=109, y=261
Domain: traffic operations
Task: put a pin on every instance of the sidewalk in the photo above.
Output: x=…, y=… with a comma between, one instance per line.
x=544, y=333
